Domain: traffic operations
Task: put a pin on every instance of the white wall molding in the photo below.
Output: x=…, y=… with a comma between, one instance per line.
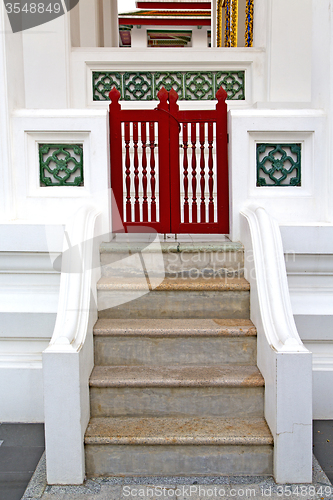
x=322, y=355
x=22, y=352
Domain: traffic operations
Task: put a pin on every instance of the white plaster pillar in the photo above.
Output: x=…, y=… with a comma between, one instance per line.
x=290, y=51
x=330, y=152
x=46, y=52
x=322, y=78
x=261, y=22
x=110, y=23
x=75, y=25
x=12, y=96
x=199, y=37
x=139, y=36
x=89, y=23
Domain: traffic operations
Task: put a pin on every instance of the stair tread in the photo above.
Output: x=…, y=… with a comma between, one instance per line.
x=177, y=376
x=174, y=327
x=179, y=284
x=171, y=247
x=170, y=430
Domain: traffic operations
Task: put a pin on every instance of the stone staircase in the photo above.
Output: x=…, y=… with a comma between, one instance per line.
x=175, y=390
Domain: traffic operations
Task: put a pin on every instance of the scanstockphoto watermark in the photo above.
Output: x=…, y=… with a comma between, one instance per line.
x=187, y=491
x=26, y=14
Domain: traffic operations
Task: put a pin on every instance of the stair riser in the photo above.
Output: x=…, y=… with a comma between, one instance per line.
x=136, y=460
x=176, y=350
x=225, y=402
x=180, y=264
x=174, y=304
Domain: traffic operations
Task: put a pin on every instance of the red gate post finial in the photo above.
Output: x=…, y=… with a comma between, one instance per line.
x=221, y=97
x=173, y=98
x=114, y=95
x=162, y=95
x=221, y=94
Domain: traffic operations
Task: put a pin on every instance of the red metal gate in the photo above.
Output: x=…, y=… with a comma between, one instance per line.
x=169, y=168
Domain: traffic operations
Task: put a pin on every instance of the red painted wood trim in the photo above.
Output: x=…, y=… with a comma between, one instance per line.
x=116, y=155
x=174, y=5
x=198, y=228
x=164, y=159
x=163, y=22
x=222, y=158
x=175, y=208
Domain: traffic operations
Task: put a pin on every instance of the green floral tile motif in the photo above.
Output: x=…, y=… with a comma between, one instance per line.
x=169, y=81
x=138, y=86
x=278, y=165
x=233, y=83
x=103, y=82
x=61, y=164
x=199, y=85
x=189, y=85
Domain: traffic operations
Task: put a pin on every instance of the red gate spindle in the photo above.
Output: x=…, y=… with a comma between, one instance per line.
x=128, y=173
x=194, y=173
x=210, y=172
x=136, y=172
x=185, y=165
x=202, y=172
x=152, y=169
x=144, y=172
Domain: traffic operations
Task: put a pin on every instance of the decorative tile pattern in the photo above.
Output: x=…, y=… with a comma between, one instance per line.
x=198, y=85
x=103, y=83
x=189, y=85
x=278, y=164
x=61, y=164
x=233, y=83
x=169, y=81
x=138, y=86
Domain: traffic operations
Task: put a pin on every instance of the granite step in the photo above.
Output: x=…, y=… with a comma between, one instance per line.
x=182, y=259
x=178, y=446
x=178, y=391
x=174, y=341
x=173, y=298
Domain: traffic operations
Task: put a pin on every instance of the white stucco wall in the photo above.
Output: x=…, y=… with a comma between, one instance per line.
x=289, y=97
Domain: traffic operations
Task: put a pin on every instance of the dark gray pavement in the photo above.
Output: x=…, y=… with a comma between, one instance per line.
x=323, y=445
x=21, y=446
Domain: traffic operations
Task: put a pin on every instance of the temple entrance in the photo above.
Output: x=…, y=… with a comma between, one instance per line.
x=169, y=168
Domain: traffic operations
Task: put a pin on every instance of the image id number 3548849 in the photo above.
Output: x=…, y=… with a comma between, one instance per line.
x=33, y=8
x=304, y=491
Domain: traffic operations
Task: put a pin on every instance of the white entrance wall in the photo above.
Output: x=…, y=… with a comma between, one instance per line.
x=46, y=88
x=309, y=261
x=305, y=203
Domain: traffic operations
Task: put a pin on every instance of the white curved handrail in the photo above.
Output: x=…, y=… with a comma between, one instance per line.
x=271, y=279
x=76, y=282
